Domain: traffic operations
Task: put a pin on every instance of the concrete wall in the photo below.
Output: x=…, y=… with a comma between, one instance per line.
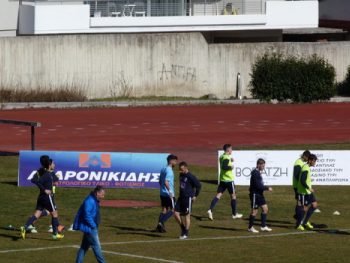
x=181, y=64
x=8, y=17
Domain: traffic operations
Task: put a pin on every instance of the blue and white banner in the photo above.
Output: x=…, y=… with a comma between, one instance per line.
x=88, y=169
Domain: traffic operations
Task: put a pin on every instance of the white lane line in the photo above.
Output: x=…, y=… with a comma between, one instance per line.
x=179, y=240
x=36, y=249
x=209, y=238
x=137, y=256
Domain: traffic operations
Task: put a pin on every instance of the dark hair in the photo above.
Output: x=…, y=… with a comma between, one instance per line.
x=171, y=157
x=312, y=157
x=306, y=153
x=226, y=146
x=183, y=164
x=97, y=189
x=260, y=161
x=45, y=161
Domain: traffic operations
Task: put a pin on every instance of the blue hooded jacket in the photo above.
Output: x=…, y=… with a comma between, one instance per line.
x=88, y=216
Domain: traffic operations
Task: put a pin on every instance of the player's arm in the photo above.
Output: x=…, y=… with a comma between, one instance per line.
x=35, y=180
x=196, y=184
x=225, y=165
x=296, y=172
x=88, y=214
x=167, y=186
x=303, y=181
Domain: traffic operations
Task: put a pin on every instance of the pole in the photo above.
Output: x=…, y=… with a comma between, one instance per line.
x=33, y=137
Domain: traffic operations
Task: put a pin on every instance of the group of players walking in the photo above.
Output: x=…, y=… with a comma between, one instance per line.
x=190, y=189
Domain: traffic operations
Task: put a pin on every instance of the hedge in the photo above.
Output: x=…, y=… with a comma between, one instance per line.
x=275, y=77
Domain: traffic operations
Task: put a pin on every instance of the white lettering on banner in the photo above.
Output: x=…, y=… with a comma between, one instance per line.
x=331, y=168
x=103, y=176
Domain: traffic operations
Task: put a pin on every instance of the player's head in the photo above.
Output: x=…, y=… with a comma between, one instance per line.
x=52, y=164
x=183, y=167
x=172, y=159
x=99, y=192
x=45, y=161
x=312, y=160
x=260, y=164
x=305, y=155
x=227, y=148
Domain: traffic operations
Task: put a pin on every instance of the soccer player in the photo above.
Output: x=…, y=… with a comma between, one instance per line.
x=296, y=175
x=306, y=196
x=167, y=192
x=226, y=182
x=257, y=199
x=87, y=220
x=189, y=190
x=43, y=179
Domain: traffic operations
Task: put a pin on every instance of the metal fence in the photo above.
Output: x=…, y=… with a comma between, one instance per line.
x=143, y=8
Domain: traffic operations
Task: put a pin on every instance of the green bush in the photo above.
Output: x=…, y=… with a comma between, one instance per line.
x=343, y=88
x=291, y=78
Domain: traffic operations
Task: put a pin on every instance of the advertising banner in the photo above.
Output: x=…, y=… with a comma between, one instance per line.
x=88, y=169
x=331, y=168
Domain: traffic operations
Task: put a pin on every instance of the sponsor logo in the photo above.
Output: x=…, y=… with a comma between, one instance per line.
x=102, y=160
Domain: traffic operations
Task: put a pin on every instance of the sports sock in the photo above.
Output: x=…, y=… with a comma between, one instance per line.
x=167, y=216
x=160, y=219
x=233, y=206
x=300, y=215
x=309, y=214
x=55, y=223
x=213, y=203
x=263, y=219
x=30, y=221
x=251, y=221
x=183, y=229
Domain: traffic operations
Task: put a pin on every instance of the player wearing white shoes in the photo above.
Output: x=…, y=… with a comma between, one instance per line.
x=257, y=199
x=226, y=182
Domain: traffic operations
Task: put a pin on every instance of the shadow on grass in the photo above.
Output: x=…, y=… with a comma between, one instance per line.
x=2, y=153
x=13, y=237
x=220, y=228
x=333, y=232
x=200, y=218
x=10, y=183
x=210, y=181
x=137, y=231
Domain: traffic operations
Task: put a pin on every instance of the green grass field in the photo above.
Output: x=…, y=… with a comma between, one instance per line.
x=127, y=234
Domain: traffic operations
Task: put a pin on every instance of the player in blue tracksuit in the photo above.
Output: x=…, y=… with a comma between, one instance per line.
x=167, y=192
x=44, y=181
x=189, y=190
x=257, y=199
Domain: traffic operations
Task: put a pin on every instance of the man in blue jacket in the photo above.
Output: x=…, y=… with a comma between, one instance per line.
x=87, y=221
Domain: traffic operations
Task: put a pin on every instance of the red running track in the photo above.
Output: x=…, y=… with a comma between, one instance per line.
x=194, y=133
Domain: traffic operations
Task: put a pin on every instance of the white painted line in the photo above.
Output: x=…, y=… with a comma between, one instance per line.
x=210, y=238
x=249, y=236
x=35, y=249
x=137, y=256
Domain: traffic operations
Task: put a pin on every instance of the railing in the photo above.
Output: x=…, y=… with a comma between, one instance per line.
x=143, y=8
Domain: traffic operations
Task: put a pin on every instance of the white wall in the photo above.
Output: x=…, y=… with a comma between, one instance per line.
x=335, y=10
x=69, y=18
x=292, y=14
x=8, y=17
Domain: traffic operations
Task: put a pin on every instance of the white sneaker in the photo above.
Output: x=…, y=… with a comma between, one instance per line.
x=266, y=229
x=210, y=214
x=236, y=216
x=71, y=228
x=253, y=230
x=33, y=230
x=50, y=229
x=183, y=237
